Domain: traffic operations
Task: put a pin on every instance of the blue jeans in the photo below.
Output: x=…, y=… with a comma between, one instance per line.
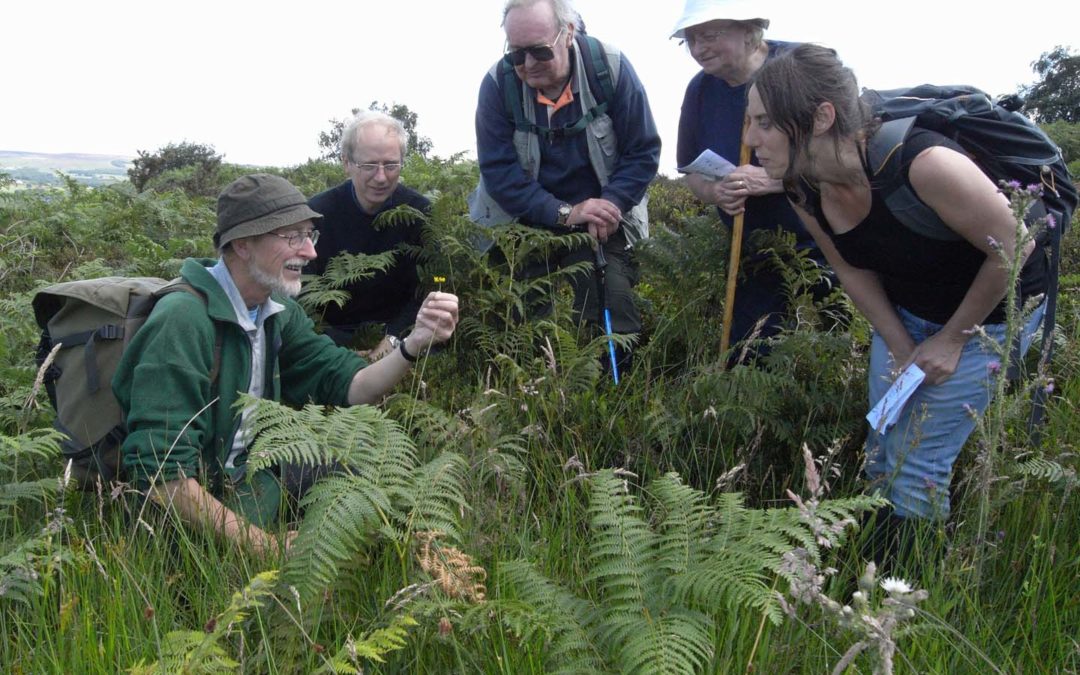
x=911, y=462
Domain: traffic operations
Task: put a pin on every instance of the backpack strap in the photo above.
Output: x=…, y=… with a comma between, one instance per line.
x=601, y=72
x=511, y=88
x=884, y=154
x=90, y=338
x=179, y=285
x=601, y=81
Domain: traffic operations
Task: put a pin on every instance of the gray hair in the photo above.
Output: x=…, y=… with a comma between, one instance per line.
x=755, y=32
x=565, y=14
x=370, y=118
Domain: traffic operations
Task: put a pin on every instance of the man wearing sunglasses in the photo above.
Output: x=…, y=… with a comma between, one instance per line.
x=372, y=151
x=241, y=331
x=566, y=141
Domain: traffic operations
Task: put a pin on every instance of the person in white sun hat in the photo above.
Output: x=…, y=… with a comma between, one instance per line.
x=726, y=38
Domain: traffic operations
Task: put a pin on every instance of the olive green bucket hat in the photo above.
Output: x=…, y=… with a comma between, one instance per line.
x=257, y=204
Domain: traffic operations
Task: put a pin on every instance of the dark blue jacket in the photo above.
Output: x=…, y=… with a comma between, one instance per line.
x=565, y=171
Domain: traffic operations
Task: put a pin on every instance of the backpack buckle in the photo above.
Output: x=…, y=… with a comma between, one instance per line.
x=110, y=332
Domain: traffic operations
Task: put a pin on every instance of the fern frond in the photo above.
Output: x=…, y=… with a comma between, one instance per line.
x=431, y=427
x=283, y=434
x=436, y=498
x=402, y=215
x=36, y=491
x=342, y=515
x=373, y=446
x=175, y=656
x=19, y=578
x=675, y=643
x=359, y=437
x=1046, y=470
x=373, y=646
x=685, y=515
x=728, y=580
x=343, y=270
x=621, y=543
x=188, y=651
x=553, y=612
x=34, y=444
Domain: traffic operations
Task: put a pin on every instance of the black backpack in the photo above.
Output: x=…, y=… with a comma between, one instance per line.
x=1005, y=144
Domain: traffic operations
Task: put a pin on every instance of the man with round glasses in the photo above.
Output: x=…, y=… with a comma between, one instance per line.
x=372, y=151
x=566, y=141
x=241, y=331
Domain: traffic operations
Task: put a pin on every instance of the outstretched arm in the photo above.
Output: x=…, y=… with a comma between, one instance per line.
x=196, y=506
x=435, y=323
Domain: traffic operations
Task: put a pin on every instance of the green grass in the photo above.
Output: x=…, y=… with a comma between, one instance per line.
x=116, y=579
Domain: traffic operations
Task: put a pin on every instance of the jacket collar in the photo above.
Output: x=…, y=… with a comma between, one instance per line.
x=218, y=304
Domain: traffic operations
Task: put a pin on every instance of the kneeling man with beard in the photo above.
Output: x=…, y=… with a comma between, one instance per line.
x=187, y=445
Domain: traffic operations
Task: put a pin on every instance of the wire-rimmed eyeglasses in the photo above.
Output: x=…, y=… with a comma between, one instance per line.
x=296, y=239
x=372, y=168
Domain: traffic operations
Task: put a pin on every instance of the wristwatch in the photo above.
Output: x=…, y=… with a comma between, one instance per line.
x=399, y=344
x=564, y=214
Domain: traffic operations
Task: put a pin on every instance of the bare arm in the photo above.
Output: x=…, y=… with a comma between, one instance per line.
x=435, y=323
x=198, y=507
x=969, y=203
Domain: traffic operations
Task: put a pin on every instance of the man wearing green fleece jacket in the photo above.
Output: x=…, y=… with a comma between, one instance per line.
x=186, y=444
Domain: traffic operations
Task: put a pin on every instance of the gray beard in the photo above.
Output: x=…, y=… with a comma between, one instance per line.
x=275, y=283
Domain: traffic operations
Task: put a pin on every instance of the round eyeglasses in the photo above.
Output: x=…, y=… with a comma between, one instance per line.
x=372, y=168
x=296, y=239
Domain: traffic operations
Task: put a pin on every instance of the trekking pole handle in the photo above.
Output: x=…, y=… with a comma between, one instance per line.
x=601, y=261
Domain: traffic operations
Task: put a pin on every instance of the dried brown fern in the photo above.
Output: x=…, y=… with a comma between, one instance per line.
x=453, y=571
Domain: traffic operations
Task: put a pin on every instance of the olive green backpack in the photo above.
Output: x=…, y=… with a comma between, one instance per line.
x=94, y=320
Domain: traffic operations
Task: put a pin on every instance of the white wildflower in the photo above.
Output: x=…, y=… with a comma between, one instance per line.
x=892, y=586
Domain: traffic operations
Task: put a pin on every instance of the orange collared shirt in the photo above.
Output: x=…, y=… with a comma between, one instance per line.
x=565, y=99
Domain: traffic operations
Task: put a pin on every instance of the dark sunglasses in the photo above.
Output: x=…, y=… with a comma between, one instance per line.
x=538, y=52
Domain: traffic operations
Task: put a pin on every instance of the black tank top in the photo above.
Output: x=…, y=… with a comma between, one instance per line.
x=925, y=276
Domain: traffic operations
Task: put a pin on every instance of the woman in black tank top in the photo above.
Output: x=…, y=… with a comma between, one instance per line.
x=923, y=296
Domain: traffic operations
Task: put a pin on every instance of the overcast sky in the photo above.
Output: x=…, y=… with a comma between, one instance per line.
x=259, y=80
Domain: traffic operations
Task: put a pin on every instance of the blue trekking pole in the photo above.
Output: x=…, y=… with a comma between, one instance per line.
x=605, y=313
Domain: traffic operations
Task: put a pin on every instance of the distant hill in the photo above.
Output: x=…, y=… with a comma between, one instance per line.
x=39, y=169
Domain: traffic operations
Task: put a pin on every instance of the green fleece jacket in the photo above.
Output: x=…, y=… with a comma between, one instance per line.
x=163, y=386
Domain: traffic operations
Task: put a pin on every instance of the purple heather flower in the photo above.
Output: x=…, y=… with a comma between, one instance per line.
x=992, y=243
x=1013, y=185
x=1051, y=222
x=994, y=367
x=1035, y=190
x=1049, y=388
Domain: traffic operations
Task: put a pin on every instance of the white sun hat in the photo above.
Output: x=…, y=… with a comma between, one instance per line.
x=698, y=12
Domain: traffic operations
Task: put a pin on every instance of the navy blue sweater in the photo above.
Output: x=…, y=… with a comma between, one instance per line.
x=565, y=172
x=389, y=297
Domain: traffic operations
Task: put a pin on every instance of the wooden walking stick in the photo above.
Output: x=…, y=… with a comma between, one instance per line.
x=733, y=263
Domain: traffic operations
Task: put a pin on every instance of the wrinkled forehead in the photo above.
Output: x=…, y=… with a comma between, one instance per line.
x=534, y=24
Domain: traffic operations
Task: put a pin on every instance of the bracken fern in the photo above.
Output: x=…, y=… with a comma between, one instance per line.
x=663, y=571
